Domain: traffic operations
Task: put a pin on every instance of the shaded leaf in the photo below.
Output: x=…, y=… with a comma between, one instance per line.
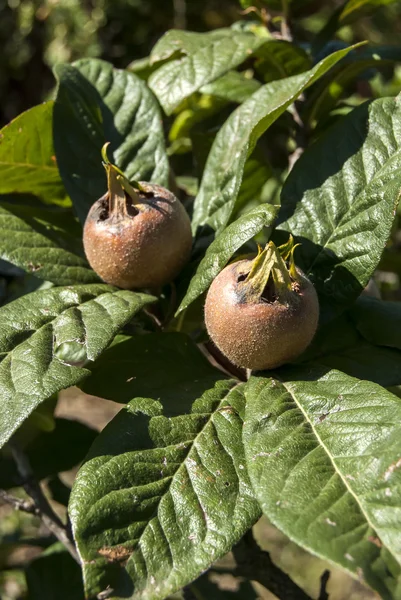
x=233, y=86
x=165, y=366
x=54, y=575
x=223, y=247
x=353, y=10
x=339, y=344
x=237, y=138
x=348, y=12
x=51, y=452
x=27, y=158
x=45, y=243
x=152, y=511
x=278, y=59
x=177, y=80
x=330, y=90
x=96, y=103
x=323, y=456
x=46, y=335
x=378, y=322
x=340, y=201
x=176, y=42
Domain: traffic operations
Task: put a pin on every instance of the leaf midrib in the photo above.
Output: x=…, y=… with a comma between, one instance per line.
x=322, y=444
x=34, y=166
x=182, y=465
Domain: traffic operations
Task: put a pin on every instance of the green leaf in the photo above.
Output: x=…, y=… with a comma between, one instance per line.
x=347, y=13
x=158, y=365
x=27, y=157
x=352, y=10
x=51, y=452
x=330, y=89
x=177, y=80
x=340, y=344
x=377, y=321
x=233, y=86
x=54, y=575
x=378, y=364
x=152, y=511
x=46, y=335
x=237, y=138
x=176, y=42
x=278, y=59
x=340, y=199
x=323, y=454
x=223, y=247
x=97, y=103
x=257, y=172
x=44, y=242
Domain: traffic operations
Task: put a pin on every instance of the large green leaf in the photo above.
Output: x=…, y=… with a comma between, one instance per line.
x=237, y=138
x=50, y=452
x=323, y=454
x=158, y=365
x=151, y=511
x=97, y=103
x=45, y=335
x=27, y=160
x=223, y=247
x=340, y=201
x=44, y=242
x=178, y=79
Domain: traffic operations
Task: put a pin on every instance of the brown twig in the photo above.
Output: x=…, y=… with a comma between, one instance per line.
x=40, y=506
x=18, y=504
x=256, y=564
x=301, y=134
x=180, y=14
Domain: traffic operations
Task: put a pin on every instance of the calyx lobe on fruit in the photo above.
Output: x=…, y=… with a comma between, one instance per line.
x=269, y=278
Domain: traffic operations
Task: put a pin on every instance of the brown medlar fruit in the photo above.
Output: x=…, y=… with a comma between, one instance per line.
x=262, y=313
x=138, y=235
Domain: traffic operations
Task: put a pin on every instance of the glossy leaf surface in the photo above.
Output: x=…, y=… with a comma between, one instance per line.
x=237, y=138
x=45, y=243
x=340, y=201
x=45, y=339
x=323, y=455
x=152, y=511
x=27, y=158
x=96, y=104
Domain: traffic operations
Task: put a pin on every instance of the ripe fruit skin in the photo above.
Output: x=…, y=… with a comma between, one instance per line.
x=264, y=334
x=144, y=248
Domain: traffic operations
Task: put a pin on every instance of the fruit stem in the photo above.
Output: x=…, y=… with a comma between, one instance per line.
x=117, y=199
x=118, y=186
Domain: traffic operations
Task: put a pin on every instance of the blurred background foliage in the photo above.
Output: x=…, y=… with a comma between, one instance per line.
x=35, y=35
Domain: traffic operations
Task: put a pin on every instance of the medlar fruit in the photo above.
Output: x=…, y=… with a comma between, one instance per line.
x=138, y=235
x=262, y=313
